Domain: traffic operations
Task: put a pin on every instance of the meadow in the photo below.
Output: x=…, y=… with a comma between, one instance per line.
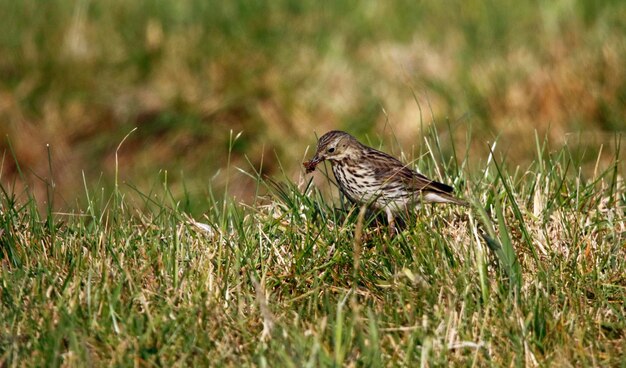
x=154, y=210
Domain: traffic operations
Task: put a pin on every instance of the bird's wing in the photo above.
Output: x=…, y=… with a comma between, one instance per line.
x=420, y=182
x=391, y=169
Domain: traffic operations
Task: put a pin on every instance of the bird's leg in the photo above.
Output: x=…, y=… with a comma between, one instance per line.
x=391, y=221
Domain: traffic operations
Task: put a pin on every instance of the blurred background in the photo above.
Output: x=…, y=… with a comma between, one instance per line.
x=77, y=76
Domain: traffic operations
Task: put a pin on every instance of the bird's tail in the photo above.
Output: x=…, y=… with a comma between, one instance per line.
x=443, y=197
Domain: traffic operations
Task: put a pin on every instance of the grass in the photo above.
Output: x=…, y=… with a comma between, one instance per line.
x=103, y=261
x=292, y=280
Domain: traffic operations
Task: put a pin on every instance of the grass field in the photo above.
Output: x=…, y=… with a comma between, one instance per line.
x=294, y=281
x=154, y=210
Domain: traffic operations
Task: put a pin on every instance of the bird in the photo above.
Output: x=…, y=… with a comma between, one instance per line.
x=367, y=176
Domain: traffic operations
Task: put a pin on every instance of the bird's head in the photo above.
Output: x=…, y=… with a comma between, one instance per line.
x=333, y=146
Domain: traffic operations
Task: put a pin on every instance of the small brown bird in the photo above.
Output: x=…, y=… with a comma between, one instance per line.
x=371, y=177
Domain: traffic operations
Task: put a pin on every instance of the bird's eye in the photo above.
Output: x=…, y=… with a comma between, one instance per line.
x=331, y=150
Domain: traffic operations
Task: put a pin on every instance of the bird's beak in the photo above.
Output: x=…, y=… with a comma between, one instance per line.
x=310, y=165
